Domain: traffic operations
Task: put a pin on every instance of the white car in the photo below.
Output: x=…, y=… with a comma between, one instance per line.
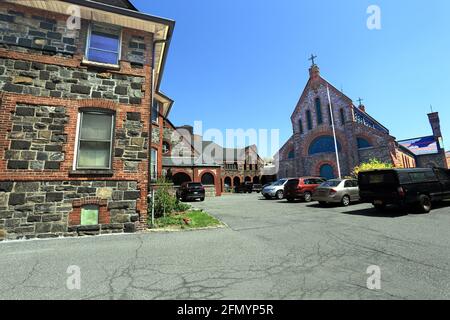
x=275, y=190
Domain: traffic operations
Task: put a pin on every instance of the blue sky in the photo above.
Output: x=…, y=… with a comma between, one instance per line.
x=244, y=63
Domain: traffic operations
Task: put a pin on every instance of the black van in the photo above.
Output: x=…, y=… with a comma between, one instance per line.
x=417, y=188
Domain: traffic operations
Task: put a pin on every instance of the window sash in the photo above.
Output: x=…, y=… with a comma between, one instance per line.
x=154, y=164
x=155, y=112
x=117, y=34
x=82, y=144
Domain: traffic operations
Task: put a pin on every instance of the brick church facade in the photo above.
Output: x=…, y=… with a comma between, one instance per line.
x=75, y=110
x=311, y=149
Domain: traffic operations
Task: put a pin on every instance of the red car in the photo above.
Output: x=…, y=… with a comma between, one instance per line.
x=302, y=188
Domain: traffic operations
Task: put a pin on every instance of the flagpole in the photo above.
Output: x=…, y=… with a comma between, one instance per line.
x=334, y=133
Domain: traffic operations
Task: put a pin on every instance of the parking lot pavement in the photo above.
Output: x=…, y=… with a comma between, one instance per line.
x=271, y=250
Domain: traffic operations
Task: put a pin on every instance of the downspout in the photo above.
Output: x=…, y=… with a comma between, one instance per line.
x=152, y=100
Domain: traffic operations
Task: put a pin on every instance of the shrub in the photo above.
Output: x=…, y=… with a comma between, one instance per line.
x=165, y=203
x=373, y=164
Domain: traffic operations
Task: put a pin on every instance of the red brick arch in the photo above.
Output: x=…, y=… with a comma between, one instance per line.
x=324, y=162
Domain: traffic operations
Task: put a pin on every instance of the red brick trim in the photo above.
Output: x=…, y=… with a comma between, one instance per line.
x=103, y=213
x=324, y=162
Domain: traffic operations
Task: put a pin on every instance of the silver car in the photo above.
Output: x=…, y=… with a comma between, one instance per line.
x=275, y=190
x=342, y=191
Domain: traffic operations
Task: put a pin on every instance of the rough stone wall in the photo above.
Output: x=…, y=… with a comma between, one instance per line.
x=37, y=137
x=46, y=80
x=132, y=142
x=432, y=160
x=42, y=209
x=36, y=33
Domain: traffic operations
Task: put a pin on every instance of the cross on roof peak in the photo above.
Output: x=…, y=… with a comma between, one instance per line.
x=313, y=57
x=360, y=101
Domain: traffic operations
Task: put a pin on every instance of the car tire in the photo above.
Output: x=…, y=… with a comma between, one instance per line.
x=345, y=201
x=424, y=205
x=202, y=199
x=279, y=195
x=307, y=196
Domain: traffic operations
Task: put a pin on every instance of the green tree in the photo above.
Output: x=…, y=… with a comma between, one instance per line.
x=372, y=164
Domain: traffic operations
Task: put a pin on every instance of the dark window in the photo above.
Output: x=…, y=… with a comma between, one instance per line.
x=155, y=111
x=425, y=176
x=329, y=114
x=300, y=122
x=309, y=119
x=319, y=111
x=95, y=140
x=342, y=116
x=166, y=147
x=103, y=45
x=363, y=143
x=208, y=179
x=291, y=154
x=348, y=184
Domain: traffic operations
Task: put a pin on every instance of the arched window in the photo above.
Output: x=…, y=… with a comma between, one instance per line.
x=363, y=143
x=300, y=122
x=319, y=111
x=309, y=119
x=208, y=179
x=181, y=177
x=324, y=144
x=327, y=172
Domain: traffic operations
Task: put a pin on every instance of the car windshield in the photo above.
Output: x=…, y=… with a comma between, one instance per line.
x=279, y=183
x=331, y=183
x=369, y=178
x=194, y=185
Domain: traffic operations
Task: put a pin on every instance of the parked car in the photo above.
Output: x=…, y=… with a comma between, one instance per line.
x=409, y=188
x=190, y=191
x=275, y=190
x=343, y=191
x=246, y=187
x=257, y=188
x=301, y=188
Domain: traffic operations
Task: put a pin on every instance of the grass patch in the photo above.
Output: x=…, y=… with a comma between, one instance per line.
x=189, y=220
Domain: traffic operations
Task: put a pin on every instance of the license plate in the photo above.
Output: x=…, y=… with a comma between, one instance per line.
x=378, y=202
x=195, y=192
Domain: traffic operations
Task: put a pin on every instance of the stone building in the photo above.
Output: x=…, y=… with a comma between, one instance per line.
x=75, y=109
x=187, y=157
x=311, y=149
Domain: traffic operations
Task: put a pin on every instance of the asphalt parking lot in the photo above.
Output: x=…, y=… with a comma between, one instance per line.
x=270, y=250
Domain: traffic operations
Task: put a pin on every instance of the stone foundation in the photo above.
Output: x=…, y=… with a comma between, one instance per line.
x=48, y=209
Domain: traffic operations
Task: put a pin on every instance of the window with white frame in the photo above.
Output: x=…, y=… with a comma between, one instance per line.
x=155, y=111
x=154, y=164
x=95, y=138
x=103, y=44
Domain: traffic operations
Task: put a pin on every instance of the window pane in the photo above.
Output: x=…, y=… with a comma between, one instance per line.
x=154, y=161
x=96, y=127
x=89, y=215
x=155, y=111
x=94, y=154
x=102, y=56
x=104, y=41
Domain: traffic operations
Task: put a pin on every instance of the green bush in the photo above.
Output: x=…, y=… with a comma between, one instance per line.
x=373, y=164
x=165, y=203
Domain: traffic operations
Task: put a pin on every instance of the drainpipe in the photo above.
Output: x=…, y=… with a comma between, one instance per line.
x=152, y=100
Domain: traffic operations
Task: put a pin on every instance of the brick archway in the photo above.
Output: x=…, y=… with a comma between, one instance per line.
x=320, y=164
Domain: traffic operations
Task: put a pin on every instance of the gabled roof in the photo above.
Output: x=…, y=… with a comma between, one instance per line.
x=126, y=4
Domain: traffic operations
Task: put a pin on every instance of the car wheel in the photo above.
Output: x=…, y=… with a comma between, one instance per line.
x=424, y=204
x=345, y=201
x=202, y=199
x=308, y=197
x=279, y=195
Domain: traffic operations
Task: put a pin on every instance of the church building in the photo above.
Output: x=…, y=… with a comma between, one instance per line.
x=311, y=149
